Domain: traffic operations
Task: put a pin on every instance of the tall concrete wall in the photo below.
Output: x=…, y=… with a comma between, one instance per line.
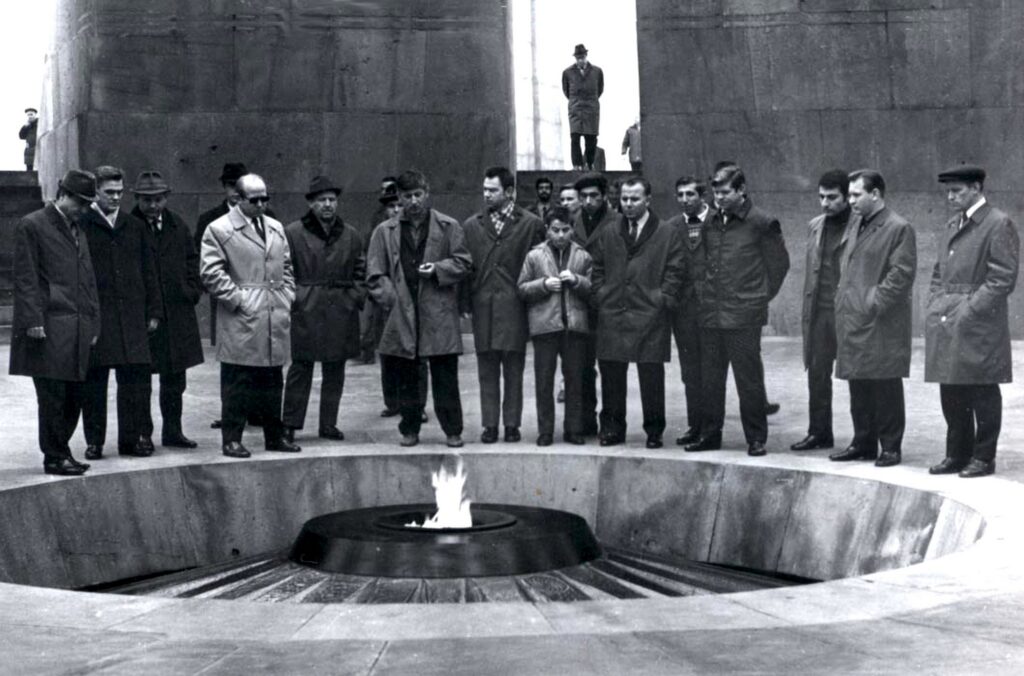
x=790, y=88
x=357, y=90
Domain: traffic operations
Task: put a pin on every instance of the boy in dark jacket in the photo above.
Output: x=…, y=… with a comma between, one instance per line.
x=555, y=284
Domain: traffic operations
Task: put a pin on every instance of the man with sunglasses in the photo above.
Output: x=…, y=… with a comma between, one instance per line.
x=246, y=266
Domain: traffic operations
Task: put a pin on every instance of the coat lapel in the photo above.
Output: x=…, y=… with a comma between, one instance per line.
x=242, y=225
x=58, y=222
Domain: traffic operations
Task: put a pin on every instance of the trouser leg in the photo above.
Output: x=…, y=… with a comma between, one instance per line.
x=444, y=379
x=133, y=385
x=55, y=403
x=333, y=384
x=744, y=353
x=388, y=387
x=296, y=393
x=271, y=391
x=404, y=374
x=591, y=151
x=572, y=351
x=862, y=414
x=890, y=416
x=588, y=380
x=988, y=410
x=512, y=366
x=819, y=374
x=575, y=149
x=613, y=397
x=545, y=359
x=172, y=389
x=714, y=370
x=488, y=368
x=652, y=397
x=956, y=409
x=236, y=385
x=94, y=405
x=687, y=335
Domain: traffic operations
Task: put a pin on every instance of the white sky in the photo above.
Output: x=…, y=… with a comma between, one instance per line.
x=25, y=28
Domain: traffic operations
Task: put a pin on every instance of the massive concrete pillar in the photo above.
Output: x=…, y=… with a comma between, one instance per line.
x=354, y=89
x=789, y=88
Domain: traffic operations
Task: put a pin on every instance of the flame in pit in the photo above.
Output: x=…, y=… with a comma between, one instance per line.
x=452, y=505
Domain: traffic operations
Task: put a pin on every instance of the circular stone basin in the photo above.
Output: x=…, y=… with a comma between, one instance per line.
x=504, y=540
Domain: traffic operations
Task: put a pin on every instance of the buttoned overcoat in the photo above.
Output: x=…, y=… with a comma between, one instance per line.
x=812, y=273
x=583, y=91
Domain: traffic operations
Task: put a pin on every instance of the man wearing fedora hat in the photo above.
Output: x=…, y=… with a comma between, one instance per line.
x=967, y=334
x=583, y=84
x=56, y=315
x=175, y=344
x=28, y=134
x=130, y=309
x=329, y=264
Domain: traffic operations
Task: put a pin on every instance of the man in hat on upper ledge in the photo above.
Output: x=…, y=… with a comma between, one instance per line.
x=28, y=133
x=56, y=315
x=583, y=84
x=967, y=334
x=329, y=264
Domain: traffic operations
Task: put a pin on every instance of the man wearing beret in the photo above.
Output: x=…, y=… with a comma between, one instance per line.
x=175, y=344
x=329, y=264
x=56, y=315
x=967, y=335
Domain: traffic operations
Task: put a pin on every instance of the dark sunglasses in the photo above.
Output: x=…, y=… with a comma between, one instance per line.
x=259, y=199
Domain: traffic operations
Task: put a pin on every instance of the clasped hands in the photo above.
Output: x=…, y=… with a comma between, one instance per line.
x=554, y=284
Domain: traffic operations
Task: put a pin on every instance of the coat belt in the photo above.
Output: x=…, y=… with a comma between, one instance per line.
x=960, y=288
x=261, y=285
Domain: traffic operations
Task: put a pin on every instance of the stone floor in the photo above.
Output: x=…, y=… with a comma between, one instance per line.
x=934, y=628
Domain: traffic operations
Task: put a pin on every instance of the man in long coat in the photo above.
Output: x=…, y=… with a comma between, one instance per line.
x=873, y=321
x=746, y=264
x=245, y=264
x=330, y=289
x=130, y=308
x=967, y=334
x=56, y=315
x=175, y=345
x=638, y=277
x=28, y=134
x=818, y=320
x=498, y=240
x=583, y=84
x=413, y=269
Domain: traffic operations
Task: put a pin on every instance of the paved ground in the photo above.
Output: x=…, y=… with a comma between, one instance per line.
x=981, y=634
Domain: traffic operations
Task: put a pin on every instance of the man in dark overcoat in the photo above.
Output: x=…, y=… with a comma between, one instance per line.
x=175, y=345
x=746, y=264
x=818, y=321
x=123, y=258
x=694, y=212
x=873, y=321
x=638, y=277
x=498, y=239
x=545, y=191
x=583, y=84
x=28, y=133
x=56, y=316
x=330, y=289
x=415, y=263
x=967, y=333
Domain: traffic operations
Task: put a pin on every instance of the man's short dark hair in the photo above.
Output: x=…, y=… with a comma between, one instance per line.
x=503, y=175
x=108, y=173
x=412, y=179
x=542, y=180
x=872, y=180
x=567, y=186
x=724, y=164
x=835, y=179
x=592, y=180
x=687, y=180
x=557, y=213
x=638, y=180
x=729, y=176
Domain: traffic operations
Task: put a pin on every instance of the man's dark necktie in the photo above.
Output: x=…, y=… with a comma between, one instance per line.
x=633, y=231
x=258, y=223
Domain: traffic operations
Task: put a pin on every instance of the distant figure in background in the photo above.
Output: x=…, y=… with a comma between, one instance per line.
x=545, y=188
x=631, y=144
x=583, y=84
x=370, y=319
x=569, y=198
x=612, y=197
x=28, y=135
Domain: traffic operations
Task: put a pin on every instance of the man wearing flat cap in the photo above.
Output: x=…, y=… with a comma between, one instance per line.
x=130, y=309
x=967, y=335
x=56, y=315
x=28, y=134
x=329, y=264
x=175, y=345
x=583, y=84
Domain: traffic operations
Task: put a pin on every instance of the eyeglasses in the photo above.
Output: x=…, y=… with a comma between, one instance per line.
x=259, y=199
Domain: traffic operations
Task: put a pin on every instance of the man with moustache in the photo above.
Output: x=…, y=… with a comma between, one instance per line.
x=873, y=321
x=545, y=188
x=821, y=278
x=967, y=335
x=498, y=239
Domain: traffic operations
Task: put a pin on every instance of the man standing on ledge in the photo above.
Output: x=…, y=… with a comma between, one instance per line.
x=498, y=240
x=246, y=266
x=967, y=335
x=28, y=134
x=821, y=278
x=873, y=321
x=413, y=269
x=56, y=315
x=583, y=84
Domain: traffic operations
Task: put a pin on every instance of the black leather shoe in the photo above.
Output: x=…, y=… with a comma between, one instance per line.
x=83, y=465
x=812, y=442
x=888, y=459
x=216, y=424
x=489, y=435
x=93, y=452
x=712, y=442
x=545, y=440
x=654, y=442
x=178, y=440
x=389, y=413
x=453, y=441
x=948, y=466
x=976, y=468
x=144, y=447
x=409, y=440
x=772, y=408
x=575, y=439
x=282, y=445
x=610, y=440
x=332, y=433
x=512, y=434
x=851, y=452
x=756, y=449
x=63, y=467
x=235, y=449
x=288, y=434
x=690, y=436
